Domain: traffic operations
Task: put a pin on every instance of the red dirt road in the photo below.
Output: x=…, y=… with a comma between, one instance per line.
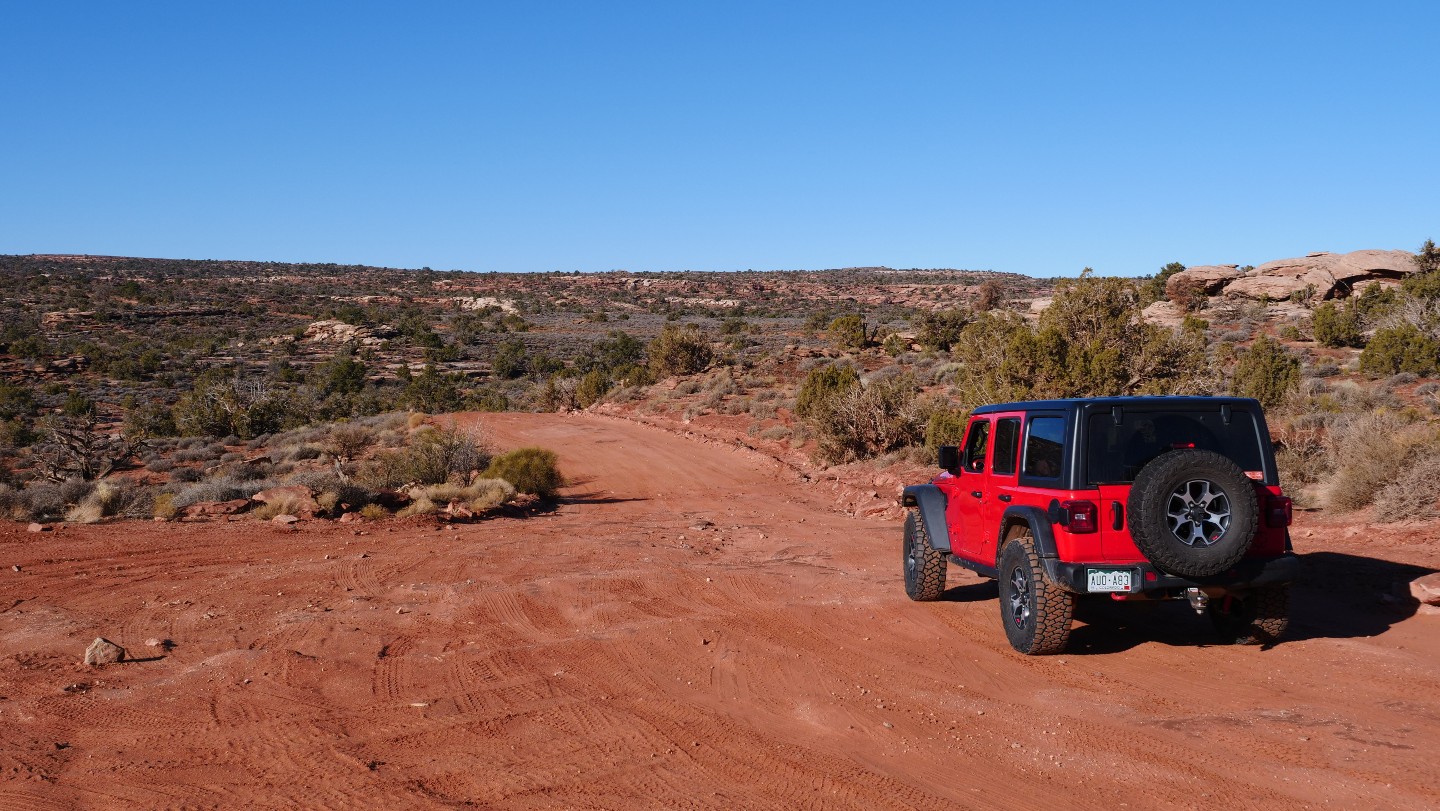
x=612, y=655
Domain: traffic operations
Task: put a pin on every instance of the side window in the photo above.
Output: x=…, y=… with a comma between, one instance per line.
x=1007, y=446
x=1044, y=447
x=975, y=445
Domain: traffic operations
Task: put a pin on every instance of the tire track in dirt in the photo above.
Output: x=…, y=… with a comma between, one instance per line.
x=592, y=657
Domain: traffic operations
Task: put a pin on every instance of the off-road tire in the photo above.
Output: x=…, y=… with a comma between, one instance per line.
x=1192, y=512
x=1035, y=612
x=923, y=564
x=1258, y=617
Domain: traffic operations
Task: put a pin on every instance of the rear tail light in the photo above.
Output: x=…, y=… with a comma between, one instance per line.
x=1084, y=516
x=1279, y=511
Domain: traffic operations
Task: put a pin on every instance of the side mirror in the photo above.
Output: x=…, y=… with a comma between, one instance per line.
x=950, y=459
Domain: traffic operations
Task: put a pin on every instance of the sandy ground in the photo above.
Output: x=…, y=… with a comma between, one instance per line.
x=694, y=627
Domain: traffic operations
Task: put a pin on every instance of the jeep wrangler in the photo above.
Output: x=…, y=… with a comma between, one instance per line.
x=1129, y=498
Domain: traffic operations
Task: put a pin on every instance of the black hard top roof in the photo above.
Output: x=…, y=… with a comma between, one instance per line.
x=1147, y=403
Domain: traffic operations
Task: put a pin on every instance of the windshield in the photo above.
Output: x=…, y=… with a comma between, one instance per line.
x=1115, y=453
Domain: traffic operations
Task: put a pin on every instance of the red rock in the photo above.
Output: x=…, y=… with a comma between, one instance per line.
x=38, y=528
x=207, y=509
x=1426, y=589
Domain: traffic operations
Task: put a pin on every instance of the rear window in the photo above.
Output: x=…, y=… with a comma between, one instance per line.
x=1115, y=453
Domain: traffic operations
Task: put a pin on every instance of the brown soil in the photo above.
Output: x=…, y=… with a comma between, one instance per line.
x=694, y=626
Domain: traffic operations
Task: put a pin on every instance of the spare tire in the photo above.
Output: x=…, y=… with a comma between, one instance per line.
x=1192, y=512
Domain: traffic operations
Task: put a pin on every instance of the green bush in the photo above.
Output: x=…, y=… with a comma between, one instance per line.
x=1401, y=348
x=591, y=388
x=940, y=330
x=1267, y=372
x=530, y=470
x=848, y=332
x=679, y=351
x=1339, y=325
x=821, y=387
x=1090, y=341
x=945, y=427
x=1425, y=284
x=1153, y=289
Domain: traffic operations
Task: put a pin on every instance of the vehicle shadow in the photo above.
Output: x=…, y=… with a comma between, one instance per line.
x=1336, y=596
x=977, y=592
x=595, y=498
x=559, y=503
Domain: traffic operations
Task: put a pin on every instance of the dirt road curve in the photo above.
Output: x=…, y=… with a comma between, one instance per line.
x=692, y=628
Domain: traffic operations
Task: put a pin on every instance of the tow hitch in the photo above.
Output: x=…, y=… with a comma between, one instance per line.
x=1198, y=599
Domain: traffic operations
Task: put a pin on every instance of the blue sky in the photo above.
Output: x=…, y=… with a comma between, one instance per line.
x=1037, y=138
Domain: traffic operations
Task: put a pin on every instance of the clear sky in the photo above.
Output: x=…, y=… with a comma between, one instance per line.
x=1030, y=137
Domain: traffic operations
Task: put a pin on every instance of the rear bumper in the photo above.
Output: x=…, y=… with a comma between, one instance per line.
x=1248, y=573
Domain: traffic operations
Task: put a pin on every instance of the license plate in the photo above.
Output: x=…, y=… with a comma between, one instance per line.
x=1109, y=579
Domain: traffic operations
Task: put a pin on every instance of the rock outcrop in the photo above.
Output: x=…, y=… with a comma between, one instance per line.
x=1321, y=275
x=339, y=332
x=1210, y=279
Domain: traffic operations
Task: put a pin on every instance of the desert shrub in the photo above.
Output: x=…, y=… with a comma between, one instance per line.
x=866, y=421
x=1092, y=340
x=530, y=470
x=330, y=487
x=1370, y=451
x=822, y=387
x=762, y=410
x=1339, y=324
x=679, y=351
x=894, y=345
x=1152, y=288
x=946, y=426
x=165, y=506
x=555, y=394
x=1415, y=492
x=374, y=512
x=160, y=465
x=13, y=503
x=349, y=440
x=775, y=433
x=591, y=388
x=1401, y=348
x=938, y=331
x=1266, y=371
x=285, y=504
x=221, y=489
x=419, y=505
x=478, y=496
x=47, y=501
x=201, y=454
x=231, y=457
x=848, y=332
x=150, y=419
x=1426, y=283
x=110, y=498
x=186, y=474
x=433, y=456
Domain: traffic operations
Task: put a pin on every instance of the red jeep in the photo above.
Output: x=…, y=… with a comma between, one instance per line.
x=1137, y=498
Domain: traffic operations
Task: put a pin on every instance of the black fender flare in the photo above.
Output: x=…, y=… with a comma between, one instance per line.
x=1037, y=520
x=930, y=502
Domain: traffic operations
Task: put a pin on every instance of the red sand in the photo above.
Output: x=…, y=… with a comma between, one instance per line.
x=612, y=655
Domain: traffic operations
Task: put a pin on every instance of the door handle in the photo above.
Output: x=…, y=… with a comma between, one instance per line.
x=977, y=494
x=1004, y=497
x=1117, y=516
